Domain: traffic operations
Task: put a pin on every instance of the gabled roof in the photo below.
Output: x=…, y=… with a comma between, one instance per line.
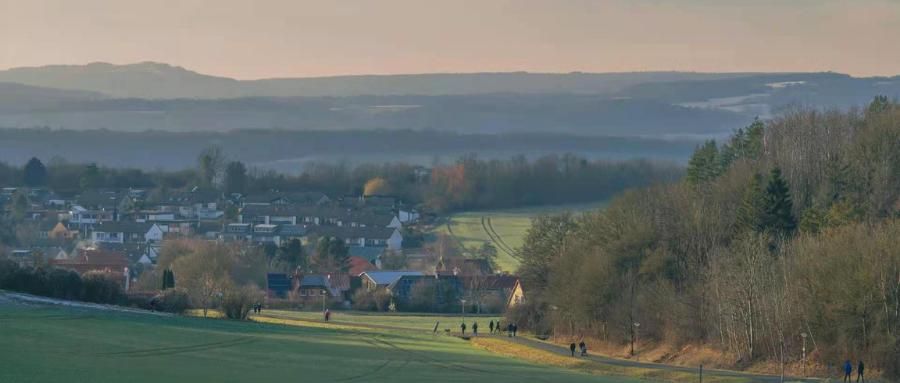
x=292, y=230
x=278, y=284
x=359, y=265
x=387, y=277
x=315, y=280
x=87, y=260
x=99, y=199
x=491, y=282
x=370, y=254
x=48, y=224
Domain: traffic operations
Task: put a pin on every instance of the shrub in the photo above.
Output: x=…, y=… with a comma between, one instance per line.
x=64, y=284
x=28, y=280
x=362, y=300
x=173, y=300
x=237, y=301
x=102, y=287
x=7, y=268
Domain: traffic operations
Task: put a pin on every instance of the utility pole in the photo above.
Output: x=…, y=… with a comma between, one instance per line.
x=803, y=335
x=462, y=306
x=634, y=329
x=782, y=361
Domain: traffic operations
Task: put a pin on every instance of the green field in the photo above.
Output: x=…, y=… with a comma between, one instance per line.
x=56, y=344
x=505, y=229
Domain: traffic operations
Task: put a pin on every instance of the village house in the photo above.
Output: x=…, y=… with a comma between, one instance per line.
x=86, y=260
x=126, y=232
x=380, y=237
x=377, y=279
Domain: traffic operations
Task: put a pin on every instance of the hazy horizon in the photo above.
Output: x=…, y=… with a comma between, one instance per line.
x=276, y=39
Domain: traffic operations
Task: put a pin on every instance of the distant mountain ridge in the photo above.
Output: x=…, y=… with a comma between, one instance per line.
x=157, y=80
x=155, y=96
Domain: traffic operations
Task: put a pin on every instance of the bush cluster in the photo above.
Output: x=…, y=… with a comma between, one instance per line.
x=94, y=286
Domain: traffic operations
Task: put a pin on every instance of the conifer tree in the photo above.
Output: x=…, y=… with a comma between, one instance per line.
x=704, y=164
x=778, y=215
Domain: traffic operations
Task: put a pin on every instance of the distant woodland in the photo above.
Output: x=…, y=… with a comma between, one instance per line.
x=291, y=151
x=467, y=183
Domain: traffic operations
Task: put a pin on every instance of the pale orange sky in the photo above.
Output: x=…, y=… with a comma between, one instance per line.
x=293, y=38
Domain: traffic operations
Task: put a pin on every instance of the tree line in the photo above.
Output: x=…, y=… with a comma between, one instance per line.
x=788, y=230
x=469, y=183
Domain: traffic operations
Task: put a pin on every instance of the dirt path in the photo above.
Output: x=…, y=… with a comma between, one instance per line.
x=657, y=366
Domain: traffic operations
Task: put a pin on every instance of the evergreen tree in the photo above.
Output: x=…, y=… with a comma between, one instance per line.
x=35, y=173
x=705, y=164
x=90, y=178
x=168, y=279
x=879, y=104
x=746, y=143
x=235, y=177
x=20, y=206
x=778, y=215
x=290, y=256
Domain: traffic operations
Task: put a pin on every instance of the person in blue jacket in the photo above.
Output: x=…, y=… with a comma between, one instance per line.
x=848, y=370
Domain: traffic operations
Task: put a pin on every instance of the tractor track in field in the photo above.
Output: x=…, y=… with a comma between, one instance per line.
x=162, y=351
x=449, y=225
x=488, y=227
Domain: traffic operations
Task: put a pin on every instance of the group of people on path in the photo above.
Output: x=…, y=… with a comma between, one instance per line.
x=511, y=328
x=860, y=371
x=257, y=308
x=581, y=346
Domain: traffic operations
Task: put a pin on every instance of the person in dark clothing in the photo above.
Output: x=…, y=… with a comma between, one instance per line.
x=509, y=330
x=859, y=371
x=515, y=328
x=491, y=327
x=572, y=348
x=475, y=328
x=848, y=370
x=583, y=348
x=462, y=328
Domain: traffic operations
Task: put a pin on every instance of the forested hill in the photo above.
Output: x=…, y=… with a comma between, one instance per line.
x=789, y=227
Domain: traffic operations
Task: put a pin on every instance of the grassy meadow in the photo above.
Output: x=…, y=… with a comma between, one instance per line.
x=53, y=344
x=505, y=229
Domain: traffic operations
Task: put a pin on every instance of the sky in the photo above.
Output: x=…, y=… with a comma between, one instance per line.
x=250, y=39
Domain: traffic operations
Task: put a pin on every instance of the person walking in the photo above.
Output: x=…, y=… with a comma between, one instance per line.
x=860, y=370
x=491, y=327
x=509, y=330
x=583, y=348
x=327, y=315
x=462, y=328
x=848, y=370
x=572, y=348
x=515, y=329
x=475, y=328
